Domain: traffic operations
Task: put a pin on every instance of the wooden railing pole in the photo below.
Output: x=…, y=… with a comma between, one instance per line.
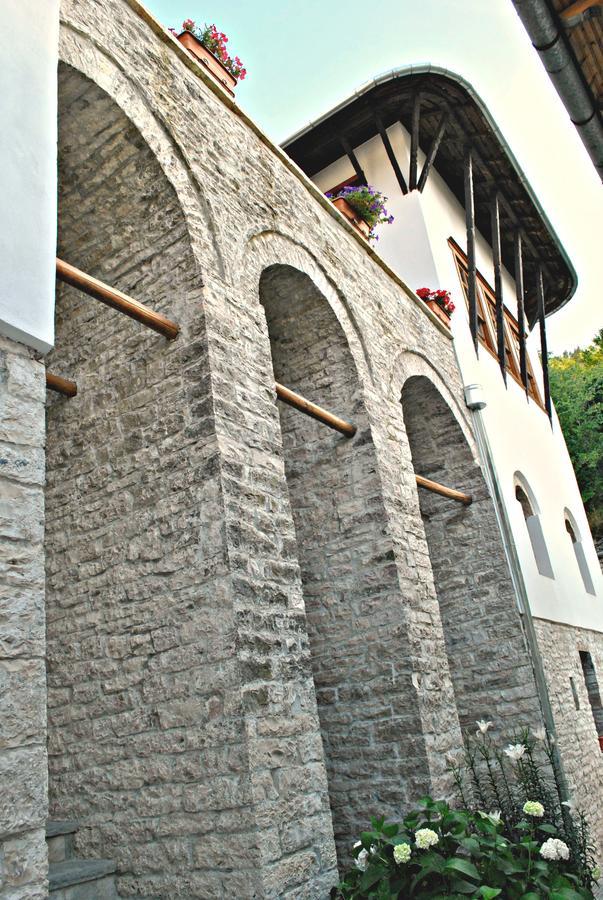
x=437, y=488
x=61, y=385
x=316, y=412
x=115, y=299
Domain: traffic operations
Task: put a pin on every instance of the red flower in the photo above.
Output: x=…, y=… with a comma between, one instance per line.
x=423, y=293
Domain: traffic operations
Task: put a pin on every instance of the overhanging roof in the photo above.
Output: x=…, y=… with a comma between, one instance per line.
x=391, y=96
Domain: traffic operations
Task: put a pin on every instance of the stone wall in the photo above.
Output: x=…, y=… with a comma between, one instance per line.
x=560, y=647
x=184, y=730
x=487, y=649
x=369, y=719
x=23, y=767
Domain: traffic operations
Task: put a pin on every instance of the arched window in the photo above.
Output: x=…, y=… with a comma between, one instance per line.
x=574, y=534
x=534, y=527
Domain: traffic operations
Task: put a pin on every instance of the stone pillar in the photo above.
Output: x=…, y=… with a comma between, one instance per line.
x=23, y=764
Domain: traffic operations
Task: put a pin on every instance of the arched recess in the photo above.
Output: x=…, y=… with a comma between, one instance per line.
x=370, y=725
x=485, y=643
x=530, y=509
x=575, y=537
x=141, y=681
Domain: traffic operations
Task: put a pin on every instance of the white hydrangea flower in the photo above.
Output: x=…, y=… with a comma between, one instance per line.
x=483, y=726
x=402, y=853
x=426, y=838
x=554, y=849
x=533, y=808
x=515, y=751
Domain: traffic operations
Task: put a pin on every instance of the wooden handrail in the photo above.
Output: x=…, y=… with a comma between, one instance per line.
x=116, y=300
x=61, y=385
x=437, y=488
x=315, y=412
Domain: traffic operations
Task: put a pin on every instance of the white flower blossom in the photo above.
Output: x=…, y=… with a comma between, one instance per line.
x=540, y=734
x=493, y=817
x=515, y=751
x=483, y=726
x=533, y=808
x=554, y=849
x=426, y=838
x=402, y=853
x=362, y=859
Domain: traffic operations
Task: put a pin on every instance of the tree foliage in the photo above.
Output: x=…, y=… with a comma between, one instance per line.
x=577, y=389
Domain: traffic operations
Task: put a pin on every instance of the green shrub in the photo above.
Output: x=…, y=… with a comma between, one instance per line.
x=514, y=837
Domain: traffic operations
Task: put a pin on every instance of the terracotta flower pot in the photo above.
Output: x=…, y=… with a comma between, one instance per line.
x=440, y=313
x=359, y=224
x=218, y=72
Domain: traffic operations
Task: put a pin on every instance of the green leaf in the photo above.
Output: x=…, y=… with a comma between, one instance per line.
x=390, y=830
x=463, y=866
x=489, y=893
x=471, y=844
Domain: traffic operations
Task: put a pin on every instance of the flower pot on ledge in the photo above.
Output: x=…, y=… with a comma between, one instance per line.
x=439, y=312
x=359, y=224
x=218, y=72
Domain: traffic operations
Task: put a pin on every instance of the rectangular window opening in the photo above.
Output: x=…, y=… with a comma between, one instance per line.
x=486, y=319
x=592, y=689
x=574, y=692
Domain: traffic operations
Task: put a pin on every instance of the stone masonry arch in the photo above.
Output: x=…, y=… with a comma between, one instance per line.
x=486, y=646
x=79, y=50
x=361, y=659
x=267, y=248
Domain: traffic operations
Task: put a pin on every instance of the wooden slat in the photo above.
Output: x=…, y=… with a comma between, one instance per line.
x=61, y=385
x=314, y=411
x=498, y=288
x=450, y=493
x=521, y=327
x=116, y=300
x=414, y=141
x=432, y=152
x=543, y=346
x=471, y=264
x=349, y=152
x=391, y=155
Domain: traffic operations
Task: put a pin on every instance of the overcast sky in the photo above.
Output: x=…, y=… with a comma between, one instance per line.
x=304, y=57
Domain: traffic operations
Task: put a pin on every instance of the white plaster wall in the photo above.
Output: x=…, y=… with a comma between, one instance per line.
x=520, y=434
x=28, y=126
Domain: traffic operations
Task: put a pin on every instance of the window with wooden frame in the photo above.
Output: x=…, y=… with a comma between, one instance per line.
x=352, y=181
x=486, y=324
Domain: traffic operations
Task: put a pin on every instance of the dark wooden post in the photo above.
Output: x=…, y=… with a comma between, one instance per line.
x=347, y=149
x=496, y=258
x=433, y=149
x=391, y=155
x=543, y=347
x=471, y=266
x=521, y=319
x=414, y=141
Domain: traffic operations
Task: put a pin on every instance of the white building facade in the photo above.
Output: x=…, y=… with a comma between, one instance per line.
x=549, y=547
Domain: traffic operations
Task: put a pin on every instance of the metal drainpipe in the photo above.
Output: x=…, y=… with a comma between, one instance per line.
x=475, y=401
x=554, y=49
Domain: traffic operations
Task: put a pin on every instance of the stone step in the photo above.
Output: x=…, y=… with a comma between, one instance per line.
x=82, y=879
x=59, y=839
